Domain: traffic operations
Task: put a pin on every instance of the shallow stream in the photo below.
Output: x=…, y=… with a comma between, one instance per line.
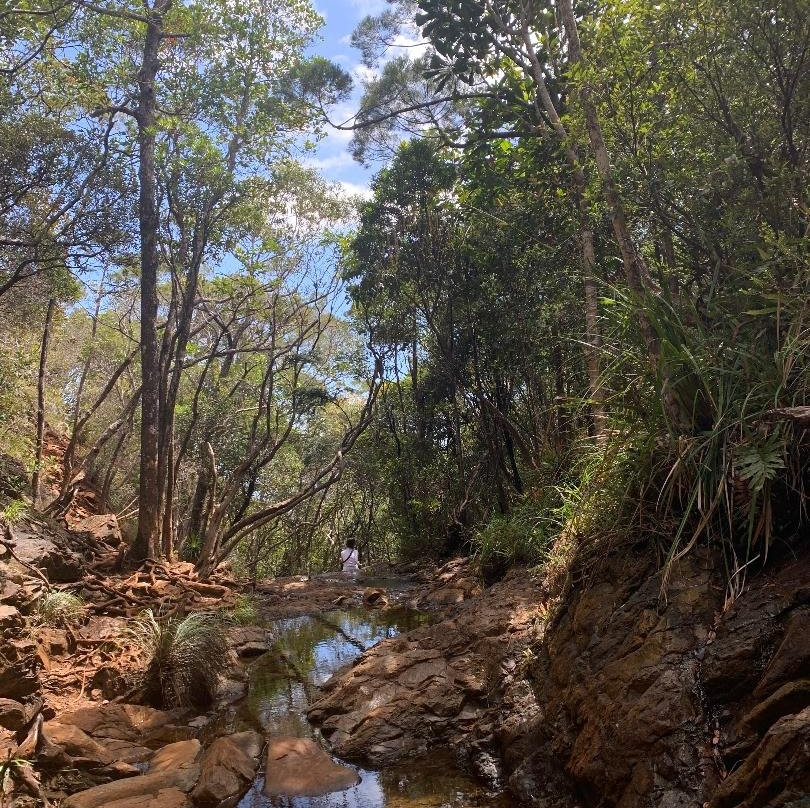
x=309, y=650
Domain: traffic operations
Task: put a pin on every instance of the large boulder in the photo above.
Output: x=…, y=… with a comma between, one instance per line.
x=298, y=767
x=227, y=769
x=174, y=768
x=431, y=684
x=102, y=527
x=49, y=549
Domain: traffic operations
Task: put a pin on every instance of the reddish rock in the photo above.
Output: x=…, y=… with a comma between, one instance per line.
x=165, y=798
x=776, y=774
x=12, y=714
x=227, y=769
x=10, y=619
x=375, y=598
x=298, y=767
x=173, y=769
x=102, y=527
x=53, y=641
x=127, y=722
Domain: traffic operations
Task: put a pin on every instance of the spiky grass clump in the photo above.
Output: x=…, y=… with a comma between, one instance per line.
x=14, y=512
x=185, y=658
x=57, y=608
x=245, y=612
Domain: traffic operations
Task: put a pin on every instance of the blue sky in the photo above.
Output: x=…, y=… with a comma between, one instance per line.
x=332, y=157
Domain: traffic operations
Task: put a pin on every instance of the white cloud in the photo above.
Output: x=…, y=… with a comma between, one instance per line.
x=355, y=189
x=364, y=75
x=415, y=47
x=332, y=162
x=368, y=6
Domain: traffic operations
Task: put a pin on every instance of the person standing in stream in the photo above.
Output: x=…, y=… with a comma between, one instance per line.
x=350, y=558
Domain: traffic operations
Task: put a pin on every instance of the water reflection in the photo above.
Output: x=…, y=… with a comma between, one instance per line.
x=308, y=650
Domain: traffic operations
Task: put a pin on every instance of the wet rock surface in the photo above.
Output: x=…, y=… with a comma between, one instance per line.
x=624, y=699
x=299, y=767
x=228, y=766
x=433, y=684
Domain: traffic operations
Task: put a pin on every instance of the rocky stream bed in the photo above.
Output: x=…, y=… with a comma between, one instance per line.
x=437, y=693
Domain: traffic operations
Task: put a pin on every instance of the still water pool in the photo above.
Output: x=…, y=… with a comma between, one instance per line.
x=308, y=651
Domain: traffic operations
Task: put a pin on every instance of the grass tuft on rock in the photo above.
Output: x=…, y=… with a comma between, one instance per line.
x=57, y=608
x=185, y=658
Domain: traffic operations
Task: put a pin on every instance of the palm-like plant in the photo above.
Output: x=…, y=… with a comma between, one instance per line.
x=185, y=658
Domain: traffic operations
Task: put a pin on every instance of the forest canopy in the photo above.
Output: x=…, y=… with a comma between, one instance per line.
x=573, y=313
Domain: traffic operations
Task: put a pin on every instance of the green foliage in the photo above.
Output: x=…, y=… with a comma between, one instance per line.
x=760, y=464
x=522, y=537
x=14, y=511
x=60, y=607
x=184, y=658
x=245, y=611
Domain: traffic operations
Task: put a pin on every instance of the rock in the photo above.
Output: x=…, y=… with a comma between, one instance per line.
x=375, y=598
x=9, y=591
x=165, y=798
x=428, y=685
x=253, y=649
x=457, y=581
x=227, y=769
x=792, y=657
x=299, y=767
x=53, y=640
x=790, y=698
x=127, y=722
x=12, y=714
x=19, y=679
x=110, y=681
x=50, y=553
x=102, y=527
x=776, y=773
x=249, y=641
x=231, y=690
x=173, y=770
x=10, y=619
x=118, y=770
x=78, y=744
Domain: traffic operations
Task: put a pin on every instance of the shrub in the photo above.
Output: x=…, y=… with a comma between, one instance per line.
x=523, y=536
x=185, y=658
x=244, y=612
x=14, y=512
x=56, y=608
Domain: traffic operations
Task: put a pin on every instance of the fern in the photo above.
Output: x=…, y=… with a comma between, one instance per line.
x=759, y=464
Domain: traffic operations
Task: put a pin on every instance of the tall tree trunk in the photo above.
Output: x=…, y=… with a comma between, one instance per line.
x=149, y=488
x=636, y=272
x=593, y=332
x=593, y=338
x=43, y=361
